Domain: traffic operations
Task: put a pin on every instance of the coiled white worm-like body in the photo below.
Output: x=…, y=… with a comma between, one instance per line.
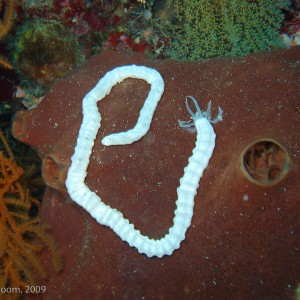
x=187, y=190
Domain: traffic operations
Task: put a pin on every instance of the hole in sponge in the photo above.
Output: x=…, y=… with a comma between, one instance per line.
x=266, y=162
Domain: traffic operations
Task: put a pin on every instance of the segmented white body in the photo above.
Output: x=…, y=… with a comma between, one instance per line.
x=187, y=190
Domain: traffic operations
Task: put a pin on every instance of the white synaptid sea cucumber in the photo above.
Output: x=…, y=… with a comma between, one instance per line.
x=187, y=190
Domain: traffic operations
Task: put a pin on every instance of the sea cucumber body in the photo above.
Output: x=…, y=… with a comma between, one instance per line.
x=143, y=124
x=189, y=182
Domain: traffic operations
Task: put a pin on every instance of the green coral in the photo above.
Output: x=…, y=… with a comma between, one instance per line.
x=45, y=50
x=226, y=27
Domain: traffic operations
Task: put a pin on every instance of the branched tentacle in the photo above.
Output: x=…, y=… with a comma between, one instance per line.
x=190, y=125
x=219, y=116
x=198, y=112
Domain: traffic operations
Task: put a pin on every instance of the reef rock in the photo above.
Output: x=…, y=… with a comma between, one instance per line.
x=243, y=241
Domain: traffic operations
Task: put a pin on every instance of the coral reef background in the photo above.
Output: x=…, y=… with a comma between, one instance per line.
x=188, y=30
x=7, y=11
